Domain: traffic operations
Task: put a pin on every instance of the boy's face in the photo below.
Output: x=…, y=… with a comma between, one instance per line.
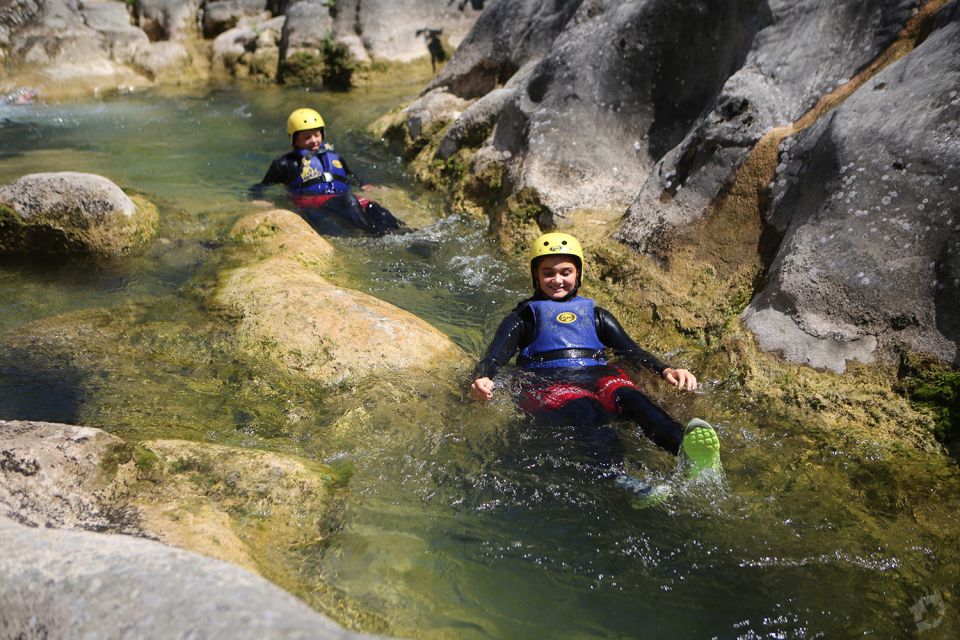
x=309, y=139
x=556, y=276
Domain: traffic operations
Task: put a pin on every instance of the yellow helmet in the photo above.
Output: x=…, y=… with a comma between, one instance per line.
x=302, y=120
x=556, y=244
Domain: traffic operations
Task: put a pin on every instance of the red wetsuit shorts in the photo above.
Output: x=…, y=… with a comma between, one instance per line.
x=317, y=202
x=550, y=397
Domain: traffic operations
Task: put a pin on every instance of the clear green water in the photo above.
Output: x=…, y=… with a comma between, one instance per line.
x=462, y=521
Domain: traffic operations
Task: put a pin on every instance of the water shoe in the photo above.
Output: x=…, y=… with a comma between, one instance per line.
x=700, y=448
x=643, y=494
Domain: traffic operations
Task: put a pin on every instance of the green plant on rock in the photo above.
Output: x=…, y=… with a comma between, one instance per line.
x=302, y=68
x=337, y=66
x=936, y=388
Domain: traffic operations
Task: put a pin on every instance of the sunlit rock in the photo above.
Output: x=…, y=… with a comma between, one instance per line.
x=389, y=28
x=766, y=68
x=252, y=48
x=505, y=37
x=67, y=48
x=162, y=60
x=72, y=213
x=287, y=311
x=167, y=19
x=220, y=15
x=278, y=232
x=866, y=201
x=60, y=483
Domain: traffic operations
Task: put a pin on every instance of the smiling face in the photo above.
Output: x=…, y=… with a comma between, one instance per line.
x=309, y=139
x=556, y=276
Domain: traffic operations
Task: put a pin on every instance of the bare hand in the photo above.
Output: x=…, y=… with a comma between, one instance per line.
x=680, y=378
x=481, y=389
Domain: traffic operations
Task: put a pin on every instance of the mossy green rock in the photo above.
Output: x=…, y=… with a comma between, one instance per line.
x=69, y=213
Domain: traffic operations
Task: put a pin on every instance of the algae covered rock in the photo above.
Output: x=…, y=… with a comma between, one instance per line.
x=71, y=213
x=287, y=311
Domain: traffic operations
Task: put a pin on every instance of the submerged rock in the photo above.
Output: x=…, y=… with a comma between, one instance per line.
x=286, y=310
x=72, y=213
x=866, y=202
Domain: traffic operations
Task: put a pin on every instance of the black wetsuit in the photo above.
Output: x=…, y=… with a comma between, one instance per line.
x=361, y=213
x=589, y=394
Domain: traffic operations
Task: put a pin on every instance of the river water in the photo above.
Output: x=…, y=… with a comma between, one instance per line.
x=461, y=521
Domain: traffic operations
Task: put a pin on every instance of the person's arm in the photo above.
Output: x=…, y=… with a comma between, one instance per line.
x=353, y=179
x=276, y=174
x=505, y=343
x=614, y=336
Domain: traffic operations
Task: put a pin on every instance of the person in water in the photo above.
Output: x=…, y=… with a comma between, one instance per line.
x=561, y=338
x=319, y=180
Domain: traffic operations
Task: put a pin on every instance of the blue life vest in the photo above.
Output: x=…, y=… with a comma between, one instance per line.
x=321, y=173
x=560, y=326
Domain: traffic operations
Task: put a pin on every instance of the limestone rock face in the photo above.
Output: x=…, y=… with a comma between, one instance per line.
x=57, y=583
x=389, y=28
x=286, y=310
x=50, y=477
x=72, y=213
x=60, y=44
x=505, y=37
x=866, y=200
x=167, y=19
x=793, y=54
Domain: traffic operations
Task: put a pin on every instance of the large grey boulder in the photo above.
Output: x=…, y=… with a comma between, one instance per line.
x=578, y=135
x=72, y=213
x=803, y=50
x=506, y=36
x=168, y=19
x=158, y=60
x=388, y=28
x=79, y=584
x=220, y=15
x=65, y=39
x=63, y=48
x=866, y=200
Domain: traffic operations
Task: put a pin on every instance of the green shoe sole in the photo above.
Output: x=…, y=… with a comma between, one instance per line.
x=701, y=448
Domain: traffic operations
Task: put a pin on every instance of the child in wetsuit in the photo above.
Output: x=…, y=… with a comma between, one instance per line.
x=561, y=338
x=319, y=180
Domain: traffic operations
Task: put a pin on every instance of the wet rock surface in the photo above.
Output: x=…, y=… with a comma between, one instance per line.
x=69, y=213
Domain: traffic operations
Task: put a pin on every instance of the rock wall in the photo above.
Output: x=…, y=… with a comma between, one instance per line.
x=65, y=48
x=867, y=203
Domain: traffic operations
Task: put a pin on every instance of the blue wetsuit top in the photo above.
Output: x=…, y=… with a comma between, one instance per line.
x=564, y=335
